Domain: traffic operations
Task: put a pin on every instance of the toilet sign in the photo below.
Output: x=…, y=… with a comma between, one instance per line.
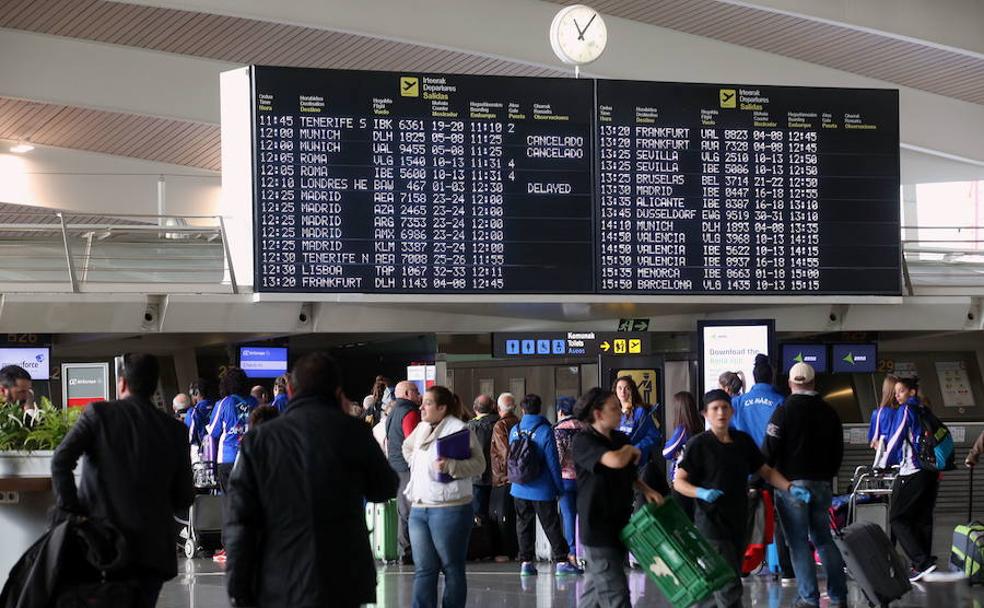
x=84, y=383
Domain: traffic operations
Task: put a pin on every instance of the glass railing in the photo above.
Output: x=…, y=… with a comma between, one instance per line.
x=62, y=251
x=942, y=259
x=94, y=252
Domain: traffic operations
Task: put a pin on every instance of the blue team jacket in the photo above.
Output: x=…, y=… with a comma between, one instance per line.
x=882, y=421
x=754, y=409
x=197, y=420
x=675, y=446
x=280, y=402
x=229, y=425
x=905, y=427
x=549, y=485
x=643, y=430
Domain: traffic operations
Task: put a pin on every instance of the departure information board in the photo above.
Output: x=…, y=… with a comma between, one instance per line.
x=380, y=182
x=376, y=182
x=734, y=189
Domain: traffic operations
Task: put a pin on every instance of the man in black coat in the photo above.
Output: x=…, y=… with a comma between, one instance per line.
x=485, y=418
x=295, y=530
x=137, y=473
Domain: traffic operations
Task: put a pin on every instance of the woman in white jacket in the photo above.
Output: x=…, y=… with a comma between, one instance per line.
x=441, y=515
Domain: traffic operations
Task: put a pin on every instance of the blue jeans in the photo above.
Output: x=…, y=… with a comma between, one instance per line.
x=568, y=513
x=802, y=523
x=439, y=538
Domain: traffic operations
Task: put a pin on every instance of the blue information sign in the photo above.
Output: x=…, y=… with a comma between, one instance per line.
x=855, y=358
x=814, y=354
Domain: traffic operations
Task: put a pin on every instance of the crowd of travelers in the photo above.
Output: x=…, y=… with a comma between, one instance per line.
x=298, y=464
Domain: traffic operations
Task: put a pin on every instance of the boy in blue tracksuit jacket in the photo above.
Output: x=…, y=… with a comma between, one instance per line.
x=230, y=419
x=537, y=499
x=915, y=489
x=754, y=409
x=752, y=412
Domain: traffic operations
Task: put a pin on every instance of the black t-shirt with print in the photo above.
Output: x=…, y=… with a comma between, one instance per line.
x=712, y=464
x=604, y=495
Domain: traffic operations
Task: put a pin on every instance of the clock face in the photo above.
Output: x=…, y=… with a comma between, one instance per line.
x=578, y=34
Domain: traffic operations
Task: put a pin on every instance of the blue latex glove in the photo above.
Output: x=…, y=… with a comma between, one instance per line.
x=801, y=494
x=709, y=495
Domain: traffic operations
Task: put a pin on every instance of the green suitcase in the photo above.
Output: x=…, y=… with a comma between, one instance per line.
x=674, y=554
x=382, y=520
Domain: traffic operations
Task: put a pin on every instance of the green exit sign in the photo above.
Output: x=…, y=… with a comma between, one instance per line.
x=633, y=325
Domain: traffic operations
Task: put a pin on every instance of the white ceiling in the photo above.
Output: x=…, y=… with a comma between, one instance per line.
x=139, y=78
x=913, y=63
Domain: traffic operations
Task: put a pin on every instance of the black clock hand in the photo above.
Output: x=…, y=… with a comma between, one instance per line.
x=581, y=32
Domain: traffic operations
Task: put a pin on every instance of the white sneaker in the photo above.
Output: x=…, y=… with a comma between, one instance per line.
x=916, y=576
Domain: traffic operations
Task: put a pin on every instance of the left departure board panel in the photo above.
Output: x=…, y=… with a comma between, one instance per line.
x=377, y=182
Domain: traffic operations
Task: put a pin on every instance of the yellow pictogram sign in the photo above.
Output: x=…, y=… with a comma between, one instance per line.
x=635, y=346
x=619, y=346
x=728, y=98
x=409, y=86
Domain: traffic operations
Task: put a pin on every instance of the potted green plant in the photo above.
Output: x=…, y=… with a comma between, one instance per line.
x=27, y=440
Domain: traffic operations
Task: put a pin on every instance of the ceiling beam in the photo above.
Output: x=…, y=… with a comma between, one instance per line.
x=107, y=77
x=517, y=30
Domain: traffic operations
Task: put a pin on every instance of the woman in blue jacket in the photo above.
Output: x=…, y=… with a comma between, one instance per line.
x=640, y=421
x=883, y=422
x=537, y=497
x=689, y=425
x=917, y=484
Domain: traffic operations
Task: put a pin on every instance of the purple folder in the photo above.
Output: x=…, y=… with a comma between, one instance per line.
x=456, y=446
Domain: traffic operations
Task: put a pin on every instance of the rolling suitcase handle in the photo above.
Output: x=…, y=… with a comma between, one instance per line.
x=970, y=496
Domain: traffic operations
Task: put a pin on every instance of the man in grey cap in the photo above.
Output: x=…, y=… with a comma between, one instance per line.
x=804, y=442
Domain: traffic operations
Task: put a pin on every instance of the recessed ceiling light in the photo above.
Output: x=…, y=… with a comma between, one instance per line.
x=22, y=148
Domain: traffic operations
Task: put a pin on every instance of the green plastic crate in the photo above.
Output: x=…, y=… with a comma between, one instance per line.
x=674, y=554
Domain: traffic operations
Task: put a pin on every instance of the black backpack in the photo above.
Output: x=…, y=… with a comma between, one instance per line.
x=525, y=460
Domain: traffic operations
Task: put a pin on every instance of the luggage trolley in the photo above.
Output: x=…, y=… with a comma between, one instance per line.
x=871, y=494
x=203, y=526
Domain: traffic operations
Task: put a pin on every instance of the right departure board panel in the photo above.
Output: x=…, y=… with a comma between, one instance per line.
x=708, y=189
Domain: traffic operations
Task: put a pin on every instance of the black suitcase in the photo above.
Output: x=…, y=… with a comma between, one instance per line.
x=873, y=563
x=480, y=545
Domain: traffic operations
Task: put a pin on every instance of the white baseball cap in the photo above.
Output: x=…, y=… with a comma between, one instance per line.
x=801, y=373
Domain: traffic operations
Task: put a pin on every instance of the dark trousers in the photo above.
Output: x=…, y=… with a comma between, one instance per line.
x=911, y=515
x=403, y=512
x=503, y=515
x=527, y=512
x=222, y=473
x=150, y=590
x=730, y=544
x=480, y=501
x=606, y=585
